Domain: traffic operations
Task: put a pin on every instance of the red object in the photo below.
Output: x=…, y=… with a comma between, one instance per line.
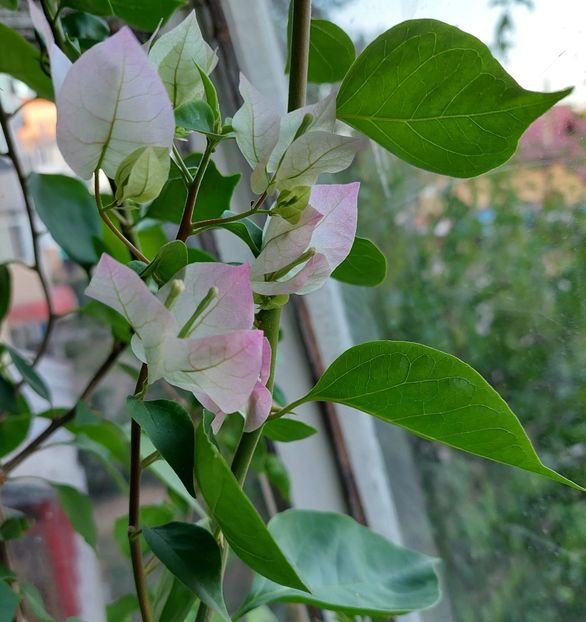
x=63, y=300
x=60, y=540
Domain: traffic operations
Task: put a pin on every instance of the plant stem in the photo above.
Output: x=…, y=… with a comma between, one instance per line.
x=269, y=321
x=113, y=228
x=186, y=224
x=58, y=423
x=301, y=23
x=37, y=261
x=134, y=509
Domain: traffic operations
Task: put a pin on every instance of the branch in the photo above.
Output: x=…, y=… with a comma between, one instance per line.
x=37, y=267
x=58, y=423
x=134, y=508
x=113, y=228
x=186, y=224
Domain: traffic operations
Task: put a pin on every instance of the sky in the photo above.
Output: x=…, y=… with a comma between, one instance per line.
x=549, y=50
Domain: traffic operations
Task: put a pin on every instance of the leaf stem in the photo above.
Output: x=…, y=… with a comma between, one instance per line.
x=134, y=508
x=37, y=260
x=108, y=222
x=202, y=225
x=186, y=224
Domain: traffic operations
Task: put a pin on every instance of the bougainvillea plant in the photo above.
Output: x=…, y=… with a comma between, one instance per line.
x=424, y=90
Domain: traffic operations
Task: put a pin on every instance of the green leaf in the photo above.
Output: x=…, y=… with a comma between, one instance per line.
x=348, y=567
x=196, y=116
x=331, y=52
x=78, y=509
x=278, y=475
x=149, y=515
x=192, y=554
x=171, y=258
x=34, y=601
x=12, y=5
x=15, y=418
x=97, y=7
x=435, y=96
x=101, y=313
x=249, y=232
x=5, y=290
x=212, y=98
x=173, y=600
x=214, y=195
x=8, y=603
x=287, y=430
x=142, y=175
x=22, y=61
x=170, y=429
x=101, y=431
x=29, y=374
x=196, y=254
x=69, y=213
x=434, y=395
x=241, y=524
x=151, y=237
x=8, y=395
x=87, y=29
x=365, y=265
x=122, y=610
x=14, y=525
x=145, y=15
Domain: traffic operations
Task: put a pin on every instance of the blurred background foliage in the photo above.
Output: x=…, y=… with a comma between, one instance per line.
x=493, y=270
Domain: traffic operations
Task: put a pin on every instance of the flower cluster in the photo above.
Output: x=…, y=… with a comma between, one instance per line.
x=115, y=113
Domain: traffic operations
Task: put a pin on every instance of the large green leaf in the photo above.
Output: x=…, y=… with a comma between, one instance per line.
x=29, y=374
x=348, y=568
x=69, y=213
x=434, y=395
x=365, y=265
x=78, y=509
x=170, y=429
x=22, y=60
x=241, y=524
x=436, y=97
x=5, y=290
x=9, y=4
x=214, y=195
x=192, y=554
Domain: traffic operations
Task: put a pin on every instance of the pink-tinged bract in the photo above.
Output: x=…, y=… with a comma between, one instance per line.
x=221, y=360
x=327, y=227
x=111, y=103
